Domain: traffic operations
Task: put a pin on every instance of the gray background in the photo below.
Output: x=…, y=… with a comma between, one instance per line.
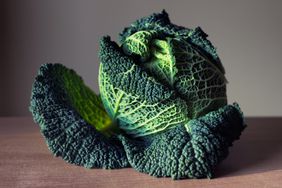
x=247, y=35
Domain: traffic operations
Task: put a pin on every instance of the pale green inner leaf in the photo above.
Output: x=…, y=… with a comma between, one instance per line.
x=134, y=114
x=162, y=62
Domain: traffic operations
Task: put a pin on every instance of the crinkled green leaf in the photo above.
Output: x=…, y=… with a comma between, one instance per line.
x=64, y=125
x=126, y=94
x=139, y=44
x=198, y=80
x=156, y=55
x=187, y=153
x=85, y=101
x=162, y=62
x=185, y=69
x=161, y=24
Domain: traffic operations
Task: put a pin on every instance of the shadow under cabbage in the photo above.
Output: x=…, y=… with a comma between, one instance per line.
x=258, y=150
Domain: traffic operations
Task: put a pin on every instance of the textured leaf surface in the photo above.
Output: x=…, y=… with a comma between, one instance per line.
x=140, y=104
x=85, y=101
x=162, y=62
x=187, y=153
x=156, y=55
x=181, y=66
x=198, y=80
x=160, y=23
x=67, y=134
x=139, y=44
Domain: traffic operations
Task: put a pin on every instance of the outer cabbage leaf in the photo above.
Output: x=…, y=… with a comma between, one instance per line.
x=190, y=151
x=57, y=101
x=139, y=103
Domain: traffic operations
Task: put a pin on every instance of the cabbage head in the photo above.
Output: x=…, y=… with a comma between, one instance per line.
x=162, y=107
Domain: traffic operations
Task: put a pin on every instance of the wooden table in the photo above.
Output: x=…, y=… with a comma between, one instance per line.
x=25, y=161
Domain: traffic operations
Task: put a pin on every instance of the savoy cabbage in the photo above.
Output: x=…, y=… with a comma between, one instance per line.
x=162, y=107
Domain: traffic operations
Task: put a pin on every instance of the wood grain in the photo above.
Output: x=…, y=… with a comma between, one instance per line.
x=25, y=161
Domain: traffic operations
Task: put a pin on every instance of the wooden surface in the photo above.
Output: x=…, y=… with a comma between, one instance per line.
x=25, y=161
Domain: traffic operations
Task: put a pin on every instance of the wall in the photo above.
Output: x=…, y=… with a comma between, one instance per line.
x=246, y=34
